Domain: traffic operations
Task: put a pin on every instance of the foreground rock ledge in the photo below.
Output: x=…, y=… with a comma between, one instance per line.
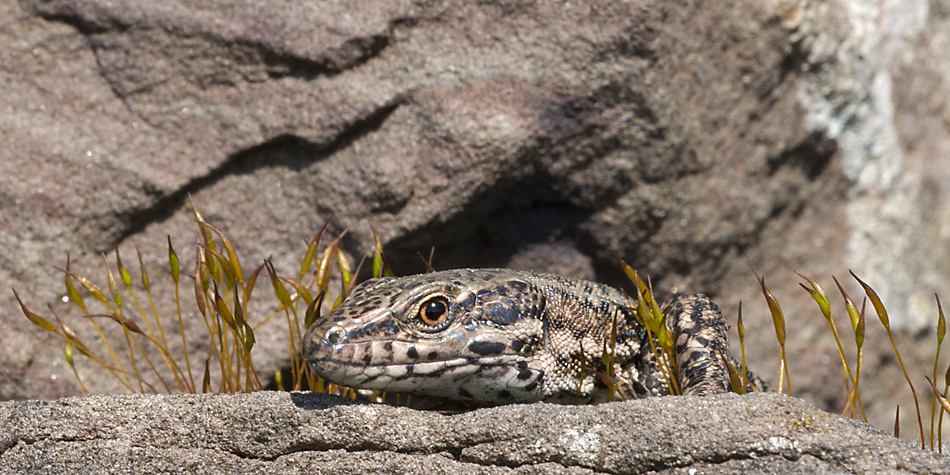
x=277, y=432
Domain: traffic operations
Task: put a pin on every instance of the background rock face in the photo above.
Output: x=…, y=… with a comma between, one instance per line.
x=697, y=140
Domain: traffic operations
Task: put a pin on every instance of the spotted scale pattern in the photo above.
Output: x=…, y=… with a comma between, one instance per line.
x=498, y=336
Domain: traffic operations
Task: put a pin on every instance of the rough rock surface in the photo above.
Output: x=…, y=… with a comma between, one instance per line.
x=696, y=139
x=271, y=432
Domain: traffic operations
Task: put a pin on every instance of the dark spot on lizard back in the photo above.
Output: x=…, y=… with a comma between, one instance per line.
x=503, y=314
x=412, y=353
x=523, y=375
x=469, y=303
x=501, y=290
x=486, y=348
x=517, y=345
x=518, y=285
x=388, y=346
x=505, y=394
x=522, y=365
x=532, y=386
x=388, y=327
x=433, y=355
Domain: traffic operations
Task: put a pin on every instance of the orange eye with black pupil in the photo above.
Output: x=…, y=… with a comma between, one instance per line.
x=434, y=311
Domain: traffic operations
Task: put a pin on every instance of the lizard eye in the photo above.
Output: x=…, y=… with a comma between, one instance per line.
x=434, y=311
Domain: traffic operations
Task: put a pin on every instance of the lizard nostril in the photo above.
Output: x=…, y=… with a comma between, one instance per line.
x=335, y=335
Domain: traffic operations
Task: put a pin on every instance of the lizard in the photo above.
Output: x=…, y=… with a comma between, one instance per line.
x=500, y=336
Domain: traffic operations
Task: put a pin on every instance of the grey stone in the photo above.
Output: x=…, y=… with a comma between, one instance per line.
x=272, y=432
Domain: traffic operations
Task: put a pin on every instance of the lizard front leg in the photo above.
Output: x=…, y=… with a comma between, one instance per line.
x=700, y=341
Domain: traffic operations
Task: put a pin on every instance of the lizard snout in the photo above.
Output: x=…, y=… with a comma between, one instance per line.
x=321, y=340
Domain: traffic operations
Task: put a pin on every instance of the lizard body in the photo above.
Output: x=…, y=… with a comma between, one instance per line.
x=498, y=336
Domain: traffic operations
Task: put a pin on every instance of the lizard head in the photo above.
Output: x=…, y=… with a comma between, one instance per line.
x=466, y=335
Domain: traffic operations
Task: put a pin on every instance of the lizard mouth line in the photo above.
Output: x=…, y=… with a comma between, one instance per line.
x=453, y=363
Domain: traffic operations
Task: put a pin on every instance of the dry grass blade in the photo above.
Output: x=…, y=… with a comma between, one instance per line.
x=821, y=298
x=292, y=324
x=200, y=289
x=313, y=310
x=68, y=354
x=206, y=379
x=939, y=397
x=325, y=266
x=581, y=375
x=300, y=290
x=174, y=266
x=607, y=357
x=123, y=272
x=946, y=388
x=70, y=336
x=882, y=315
x=380, y=267
x=427, y=262
x=349, y=287
x=202, y=226
x=944, y=405
x=74, y=294
x=73, y=341
x=233, y=260
x=250, y=283
x=279, y=290
x=222, y=309
x=740, y=328
x=71, y=291
x=90, y=287
x=230, y=273
x=858, y=325
x=34, y=318
x=897, y=423
x=655, y=326
x=778, y=321
x=312, y=250
x=113, y=286
x=346, y=271
x=121, y=320
x=154, y=338
x=941, y=333
x=738, y=386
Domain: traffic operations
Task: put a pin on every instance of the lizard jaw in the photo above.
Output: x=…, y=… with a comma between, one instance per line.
x=472, y=380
